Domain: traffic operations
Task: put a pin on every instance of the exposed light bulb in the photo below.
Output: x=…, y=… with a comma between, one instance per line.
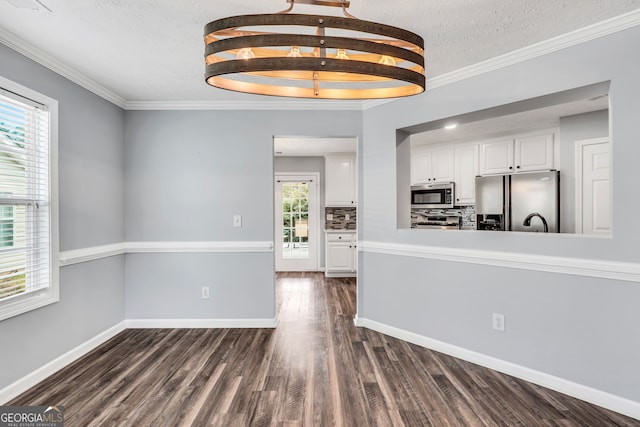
x=295, y=52
x=245, y=53
x=342, y=54
x=451, y=126
x=387, y=60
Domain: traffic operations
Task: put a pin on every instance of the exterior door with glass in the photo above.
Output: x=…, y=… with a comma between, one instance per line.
x=296, y=222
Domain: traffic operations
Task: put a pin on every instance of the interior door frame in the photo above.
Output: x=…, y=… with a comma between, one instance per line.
x=315, y=181
x=579, y=160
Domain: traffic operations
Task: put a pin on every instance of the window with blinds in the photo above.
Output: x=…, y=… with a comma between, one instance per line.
x=26, y=279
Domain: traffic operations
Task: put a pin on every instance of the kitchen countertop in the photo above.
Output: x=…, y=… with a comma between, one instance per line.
x=342, y=230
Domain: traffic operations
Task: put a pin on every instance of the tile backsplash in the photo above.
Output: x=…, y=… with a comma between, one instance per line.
x=339, y=219
x=467, y=213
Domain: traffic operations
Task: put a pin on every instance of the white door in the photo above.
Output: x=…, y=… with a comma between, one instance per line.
x=593, y=187
x=296, y=222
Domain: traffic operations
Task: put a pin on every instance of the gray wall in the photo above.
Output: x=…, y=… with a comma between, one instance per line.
x=187, y=174
x=578, y=328
x=91, y=170
x=572, y=129
x=306, y=164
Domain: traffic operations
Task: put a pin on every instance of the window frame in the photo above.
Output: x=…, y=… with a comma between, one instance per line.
x=20, y=304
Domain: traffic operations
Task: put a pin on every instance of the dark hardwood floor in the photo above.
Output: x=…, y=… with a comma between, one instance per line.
x=315, y=369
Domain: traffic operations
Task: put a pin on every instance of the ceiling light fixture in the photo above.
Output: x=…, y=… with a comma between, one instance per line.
x=313, y=56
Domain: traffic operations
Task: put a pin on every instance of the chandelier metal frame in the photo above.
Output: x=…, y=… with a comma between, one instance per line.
x=244, y=54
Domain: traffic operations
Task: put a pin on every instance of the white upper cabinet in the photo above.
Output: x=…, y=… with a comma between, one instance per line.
x=534, y=153
x=435, y=165
x=520, y=154
x=466, y=169
x=496, y=157
x=340, y=181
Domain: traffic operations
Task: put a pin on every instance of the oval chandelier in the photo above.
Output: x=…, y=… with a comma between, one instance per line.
x=313, y=56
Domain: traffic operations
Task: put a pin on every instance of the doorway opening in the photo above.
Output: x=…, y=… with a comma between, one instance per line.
x=296, y=222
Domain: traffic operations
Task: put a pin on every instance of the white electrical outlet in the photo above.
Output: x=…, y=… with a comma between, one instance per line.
x=205, y=292
x=329, y=217
x=347, y=217
x=498, y=322
x=237, y=220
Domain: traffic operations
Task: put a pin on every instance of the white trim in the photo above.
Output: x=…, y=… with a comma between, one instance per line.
x=274, y=105
x=176, y=247
x=25, y=383
x=89, y=254
x=579, y=391
x=33, y=378
x=573, y=38
x=76, y=256
x=582, y=35
x=201, y=323
x=624, y=271
x=22, y=47
x=30, y=301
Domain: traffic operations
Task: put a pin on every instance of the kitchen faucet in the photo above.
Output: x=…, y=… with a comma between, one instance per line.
x=527, y=221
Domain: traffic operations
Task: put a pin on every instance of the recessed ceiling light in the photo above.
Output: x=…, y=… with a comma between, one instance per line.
x=28, y=4
x=451, y=126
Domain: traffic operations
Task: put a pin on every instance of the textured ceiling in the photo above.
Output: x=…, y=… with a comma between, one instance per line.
x=152, y=50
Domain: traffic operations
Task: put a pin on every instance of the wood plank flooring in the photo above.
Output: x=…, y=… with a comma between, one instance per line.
x=315, y=369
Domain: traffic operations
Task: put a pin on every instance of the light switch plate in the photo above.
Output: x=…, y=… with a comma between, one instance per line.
x=329, y=217
x=237, y=220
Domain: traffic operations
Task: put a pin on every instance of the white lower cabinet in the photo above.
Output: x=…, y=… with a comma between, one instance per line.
x=341, y=256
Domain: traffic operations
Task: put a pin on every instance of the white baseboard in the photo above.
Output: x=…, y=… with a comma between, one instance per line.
x=25, y=383
x=201, y=323
x=606, y=400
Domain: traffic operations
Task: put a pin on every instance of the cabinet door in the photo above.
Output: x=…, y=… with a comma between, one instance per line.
x=340, y=182
x=354, y=256
x=496, y=157
x=442, y=165
x=534, y=153
x=420, y=167
x=466, y=169
x=339, y=256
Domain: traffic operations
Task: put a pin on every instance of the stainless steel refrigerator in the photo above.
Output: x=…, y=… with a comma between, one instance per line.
x=519, y=202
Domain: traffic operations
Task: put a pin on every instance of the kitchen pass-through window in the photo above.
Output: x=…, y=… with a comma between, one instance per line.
x=28, y=208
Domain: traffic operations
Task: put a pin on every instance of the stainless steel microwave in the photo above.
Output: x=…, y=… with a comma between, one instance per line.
x=440, y=195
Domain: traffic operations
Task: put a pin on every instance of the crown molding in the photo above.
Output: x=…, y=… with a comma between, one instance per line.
x=272, y=104
x=573, y=38
x=582, y=35
x=22, y=47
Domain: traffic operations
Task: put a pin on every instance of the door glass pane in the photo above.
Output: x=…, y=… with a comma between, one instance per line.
x=295, y=220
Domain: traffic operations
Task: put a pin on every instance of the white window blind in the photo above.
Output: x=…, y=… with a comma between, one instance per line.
x=25, y=201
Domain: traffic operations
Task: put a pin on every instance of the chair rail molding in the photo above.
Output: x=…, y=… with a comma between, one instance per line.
x=77, y=256
x=625, y=271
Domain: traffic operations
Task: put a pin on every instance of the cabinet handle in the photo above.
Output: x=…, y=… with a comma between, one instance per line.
x=518, y=167
x=510, y=167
